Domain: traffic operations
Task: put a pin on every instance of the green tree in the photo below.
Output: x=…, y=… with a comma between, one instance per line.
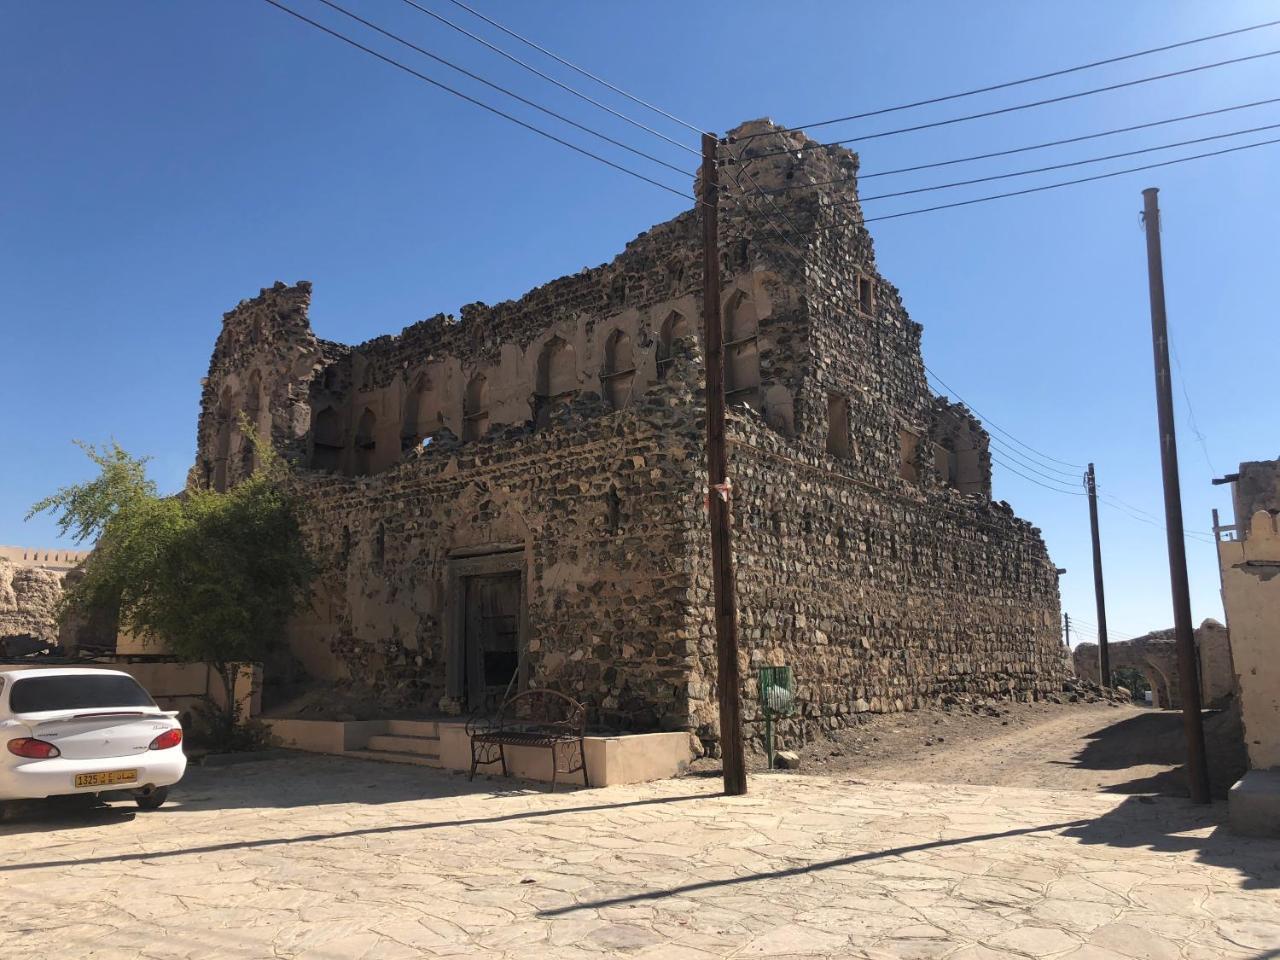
x=213, y=575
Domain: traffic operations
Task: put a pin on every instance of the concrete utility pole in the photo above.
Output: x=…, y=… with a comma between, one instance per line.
x=1188, y=668
x=1104, y=655
x=719, y=500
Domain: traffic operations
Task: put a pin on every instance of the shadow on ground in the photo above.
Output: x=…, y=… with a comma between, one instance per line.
x=1176, y=825
x=1155, y=739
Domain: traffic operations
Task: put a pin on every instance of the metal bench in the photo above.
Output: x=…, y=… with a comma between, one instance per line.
x=535, y=718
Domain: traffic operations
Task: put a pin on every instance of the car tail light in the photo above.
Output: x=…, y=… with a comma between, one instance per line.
x=170, y=738
x=33, y=749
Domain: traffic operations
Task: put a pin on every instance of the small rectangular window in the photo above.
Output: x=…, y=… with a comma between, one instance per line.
x=908, y=444
x=866, y=294
x=837, y=425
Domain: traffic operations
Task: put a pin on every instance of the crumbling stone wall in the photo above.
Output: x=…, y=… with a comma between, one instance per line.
x=1155, y=656
x=565, y=428
x=29, y=598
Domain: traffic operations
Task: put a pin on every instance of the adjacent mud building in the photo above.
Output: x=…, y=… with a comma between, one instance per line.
x=521, y=489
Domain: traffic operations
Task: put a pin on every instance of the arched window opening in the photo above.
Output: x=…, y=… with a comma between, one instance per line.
x=619, y=376
x=673, y=328
x=366, y=443
x=252, y=413
x=557, y=379
x=475, y=408
x=416, y=423
x=326, y=440
x=741, y=351
x=222, y=420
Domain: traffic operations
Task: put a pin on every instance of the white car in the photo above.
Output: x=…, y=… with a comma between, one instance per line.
x=75, y=730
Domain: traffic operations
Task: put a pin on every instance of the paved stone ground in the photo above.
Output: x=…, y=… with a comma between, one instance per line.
x=324, y=858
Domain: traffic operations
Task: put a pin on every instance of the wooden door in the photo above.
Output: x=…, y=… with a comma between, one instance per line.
x=492, y=634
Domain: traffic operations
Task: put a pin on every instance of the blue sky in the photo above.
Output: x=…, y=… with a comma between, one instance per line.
x=165, y=160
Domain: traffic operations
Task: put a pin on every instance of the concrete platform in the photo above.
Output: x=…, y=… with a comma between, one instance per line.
x=1253, y=805
x=627, y=758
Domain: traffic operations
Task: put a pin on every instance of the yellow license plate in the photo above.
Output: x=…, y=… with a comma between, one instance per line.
x=106, y=779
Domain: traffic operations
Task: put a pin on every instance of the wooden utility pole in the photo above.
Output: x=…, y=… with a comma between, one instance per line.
x=1188, y=668
x=1104, y=655
x=1066, y=629
x=719, y=500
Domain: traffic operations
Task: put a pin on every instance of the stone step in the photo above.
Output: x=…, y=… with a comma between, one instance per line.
x=414, y=728
x=423, y=746
x=395, y=756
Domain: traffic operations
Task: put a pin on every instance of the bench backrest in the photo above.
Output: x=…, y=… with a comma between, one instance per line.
x=544, y=710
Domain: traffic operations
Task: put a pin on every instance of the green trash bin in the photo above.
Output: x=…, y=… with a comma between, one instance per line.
x=777, y=700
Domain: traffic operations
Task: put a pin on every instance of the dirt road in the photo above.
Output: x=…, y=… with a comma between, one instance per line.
x=1095, y=747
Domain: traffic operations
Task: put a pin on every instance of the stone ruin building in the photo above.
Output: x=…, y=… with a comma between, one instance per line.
x=521, y=489
x=1155, y=656
x=30, y=590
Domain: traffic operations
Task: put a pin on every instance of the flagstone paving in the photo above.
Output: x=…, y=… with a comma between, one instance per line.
x=318, y=858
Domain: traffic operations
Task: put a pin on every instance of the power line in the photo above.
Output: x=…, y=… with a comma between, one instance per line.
x=479, y=103
x=501, y=89
x=534, y=70
x=1015, y=83
x=1191, y=412
x=1056, y=166
x=1035, y=146
x=1035, y=466
x=1022, y=106
x=1048, y=186
x=1029, y=479
x=942, y=383
x=576, y=68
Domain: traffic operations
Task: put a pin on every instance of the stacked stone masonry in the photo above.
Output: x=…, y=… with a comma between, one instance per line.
x=530, y=477
x=1155, y=656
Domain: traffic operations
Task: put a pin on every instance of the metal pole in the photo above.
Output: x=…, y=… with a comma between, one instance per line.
x=1188, y=669
x=1104, y=655
x=719, y=500
x=1217, y=559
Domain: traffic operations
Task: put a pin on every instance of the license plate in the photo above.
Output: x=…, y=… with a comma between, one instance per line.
x=106, y=779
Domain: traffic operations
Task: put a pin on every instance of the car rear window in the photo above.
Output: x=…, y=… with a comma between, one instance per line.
x=76, y=692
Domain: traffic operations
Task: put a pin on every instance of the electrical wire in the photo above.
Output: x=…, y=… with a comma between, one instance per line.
x=501, y=89
x=1191, y=411
x=1056, y=166
x=1022, y=106
x=860, y=176
x=534, y=70
x=1030, y=479
x=942, y=383
x=1025, y=80
x=472, y=100
x=591, y=76
x=1049, y=186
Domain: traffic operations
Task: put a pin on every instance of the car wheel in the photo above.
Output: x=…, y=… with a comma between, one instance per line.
x=153, y=800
